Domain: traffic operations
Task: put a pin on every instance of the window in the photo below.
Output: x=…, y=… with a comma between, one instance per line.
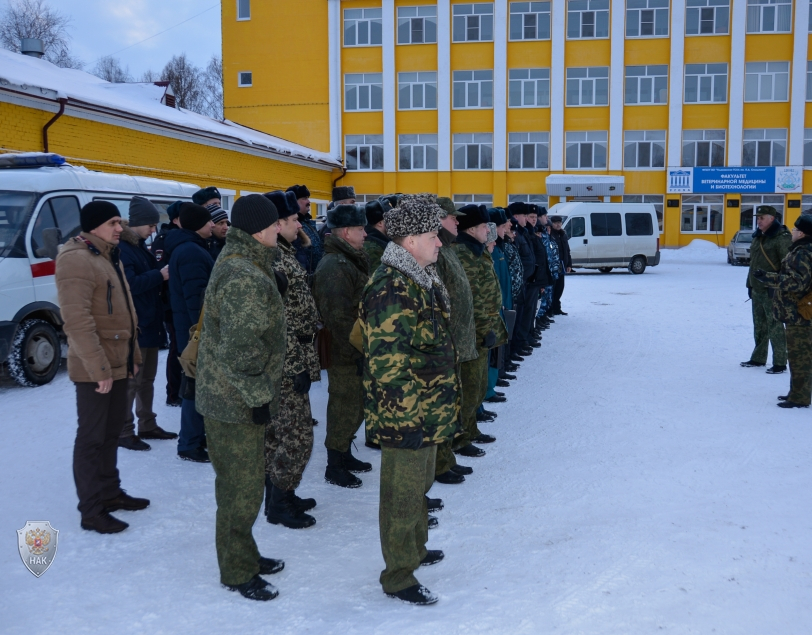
x=702, y=213
x=473, y=151
x=363, y=91
x=538, y=199
x=751, y=202
x=417, y=91
x=587, y=149
x=243, y=9
x=57, y=222
x=707, y=17
x=363, y=27
x=655, y=199
x=644, y=149
x=647, y=84
x=528, y=150
x=646, y=18
x=605, y=224
x=576, y=228
x=587, y=19
x=806, y=204
x=766, y=81
x=705, y=83
x=245, y=78
x=807, y=147
x=473, y=89
x=473, y=22
x=703, y=148
x=639, y=224
x=529, y=20
x=467, y=199
x=765, y=147
x=418, y=152
x=809, y=79
x=417, y=25
x=366, y=198
x=364, y=152
x=588, y=86
x=529, y=87
x=769, y=16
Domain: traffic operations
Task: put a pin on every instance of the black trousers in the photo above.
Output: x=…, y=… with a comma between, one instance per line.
x=95, y=452
x=525, y=324
x=558, y=291
x=173, y=367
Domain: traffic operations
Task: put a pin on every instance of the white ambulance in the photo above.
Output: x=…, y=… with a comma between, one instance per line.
x=40, y=199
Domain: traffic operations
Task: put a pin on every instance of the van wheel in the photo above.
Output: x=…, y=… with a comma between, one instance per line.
x=604, y=269
x=637, y=265
x=35, y=354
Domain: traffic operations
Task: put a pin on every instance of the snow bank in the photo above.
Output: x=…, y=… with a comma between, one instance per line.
x=699, y=251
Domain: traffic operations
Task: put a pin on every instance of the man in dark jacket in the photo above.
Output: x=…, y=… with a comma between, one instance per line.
x=190, y=266
x=376, y=239
x=560, y=237
x=518, y=212
x=540, y=280
x=145, y=277
x=218, y=233
x=308, y=255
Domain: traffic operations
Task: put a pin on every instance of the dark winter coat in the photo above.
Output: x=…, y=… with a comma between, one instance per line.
x=541, y=277
x=144, y=277
x=215, y=246
x=563, y=242
x=374, y=244
x=526, y=252
x=309, y=252
x=792, y=283
x=158, y=249
x=190, y=266
x=767, y=251
x=451, y=272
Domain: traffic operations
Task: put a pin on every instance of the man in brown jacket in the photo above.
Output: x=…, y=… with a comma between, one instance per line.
x=103, y=352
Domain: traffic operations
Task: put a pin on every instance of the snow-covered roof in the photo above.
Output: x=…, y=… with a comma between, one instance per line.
x=40, y=78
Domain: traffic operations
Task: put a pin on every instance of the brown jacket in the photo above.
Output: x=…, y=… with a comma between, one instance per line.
x=97, y=308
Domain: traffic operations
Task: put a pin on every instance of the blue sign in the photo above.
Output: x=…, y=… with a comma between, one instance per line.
x=736, y=180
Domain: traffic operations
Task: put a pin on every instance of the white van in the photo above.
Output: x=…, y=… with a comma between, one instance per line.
x=607, y=235
x=40, y=199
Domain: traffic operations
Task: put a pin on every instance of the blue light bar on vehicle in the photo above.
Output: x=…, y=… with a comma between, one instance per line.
x=30, y=159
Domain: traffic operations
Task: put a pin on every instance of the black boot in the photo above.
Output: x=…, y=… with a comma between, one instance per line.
x=303, y=504
x=434, y=504
x=354, y=465
x=449, y=478
x=337, y=474
x=433, y=522
x=416, y=594
x=284, y=512
x=462, y=470
x=255, y=589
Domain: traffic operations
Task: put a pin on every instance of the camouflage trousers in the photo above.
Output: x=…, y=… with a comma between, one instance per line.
x=799, y=350
x=345, y=406
x=406, y=476
x=546, y=300
x=474, y=380
x=237, y=456
x=445, y=455
x=767, y=330
x=289, y=438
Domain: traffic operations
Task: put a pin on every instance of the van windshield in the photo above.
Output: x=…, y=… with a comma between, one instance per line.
x=15, y=210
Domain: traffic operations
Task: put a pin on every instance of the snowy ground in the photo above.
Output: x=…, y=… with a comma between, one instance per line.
x=641, y=482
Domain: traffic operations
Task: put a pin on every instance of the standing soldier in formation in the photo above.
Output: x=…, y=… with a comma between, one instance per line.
x=411, y=388
x=218, y=233
x=376, y=239
x=337, y=286
x=309, y=248
x=771, y=242
x=289, y=435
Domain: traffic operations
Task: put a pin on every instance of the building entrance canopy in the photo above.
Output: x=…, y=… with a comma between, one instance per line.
x=584, y=185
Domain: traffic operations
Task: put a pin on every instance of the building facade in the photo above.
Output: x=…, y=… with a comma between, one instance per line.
x=702, y=107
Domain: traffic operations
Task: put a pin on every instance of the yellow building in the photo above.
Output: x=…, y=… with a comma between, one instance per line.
x=500, y=101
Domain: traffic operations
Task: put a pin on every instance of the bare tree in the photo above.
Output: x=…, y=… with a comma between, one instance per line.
x=149, y=76
x=212, y=81
x=35, y=19
x=186, y=82
x=109, y=69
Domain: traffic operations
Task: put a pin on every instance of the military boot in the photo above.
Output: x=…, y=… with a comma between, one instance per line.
x=283, y=511
x=337, y=474
x=354, y=465
x=303, y=504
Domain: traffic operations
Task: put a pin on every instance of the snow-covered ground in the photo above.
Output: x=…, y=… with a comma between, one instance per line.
x=641, y=482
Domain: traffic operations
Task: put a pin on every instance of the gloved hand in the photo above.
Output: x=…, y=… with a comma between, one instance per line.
x=261, y=415
x=489, y=341
x=281, y=281
x=760, y=275
x=359, y=366
x=412, y=440
x=301, y=383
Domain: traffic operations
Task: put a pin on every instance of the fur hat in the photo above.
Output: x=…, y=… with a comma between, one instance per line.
x=194, y=216
x=519, y=207
x=253, y=213
x=474, y=215
x=414, y=215
x=392, y=199
x=804, y=223
x=375, y=210
x=205, y=195
x=281, y=203
x=142, y=212
x=556, y=219
x=173, y=211
x=491, y=233
x=497, y=216
x=217, y=213
x=300, y=191
x=346, y=216
x=343, y=193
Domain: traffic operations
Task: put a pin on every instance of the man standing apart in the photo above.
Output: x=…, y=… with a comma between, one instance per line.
x=242, y=351
x=560, y=237
x=411, y=388
x=337, y=286
x=771, y=242
x=103, y=353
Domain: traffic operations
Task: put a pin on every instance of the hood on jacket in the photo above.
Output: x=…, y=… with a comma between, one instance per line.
x=176, y=238
x=128, y=235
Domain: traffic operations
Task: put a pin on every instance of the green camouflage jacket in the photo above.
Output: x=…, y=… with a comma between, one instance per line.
x=374, y=244
x=410, y=378
x=453, y=276
x=478, y=266
x=242, y=345
x=301, y=315
x=776, y=242
x=792, y=283
x=338, y=283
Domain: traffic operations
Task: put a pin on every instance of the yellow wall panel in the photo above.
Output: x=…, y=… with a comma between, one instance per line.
x=586, y=118
x=645, y=117
x=361, y=59
x=362, y=123
x=587, y=53
x=472, y=120
x=416, y=57
x=647, y=51
x=472, y=56
x=365, y=182
x=472, y=182
x=528, y=119
x=768, y=47
x=417, y=121
x=526, y=182
x=707, y=49
x=644, y=182
x=766, y=115
x=416, y=182
x=705, y=116
x=534, y=54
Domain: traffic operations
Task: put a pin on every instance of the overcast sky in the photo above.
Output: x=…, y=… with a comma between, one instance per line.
x=104, y=27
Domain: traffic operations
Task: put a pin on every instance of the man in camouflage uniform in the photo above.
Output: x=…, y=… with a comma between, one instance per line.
x=790, y=285
x=289, y=434
x=376, y=239
x=771, y=242
x=239, y=376
x=337, y=286
x=411, y=388
x=489, y=327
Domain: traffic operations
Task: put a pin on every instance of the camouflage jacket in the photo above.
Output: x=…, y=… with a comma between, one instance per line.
x=337, y=287
x=301, y=315
x=775, y=243
x=452, y=274
x=242, y=345
x=374, y=244
x=792, y=283
x=478, y=266
x=514, y=261
x=410, y=377
x=553, y=257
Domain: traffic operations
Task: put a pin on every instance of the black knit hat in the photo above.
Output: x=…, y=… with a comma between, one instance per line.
x=300, y=191
x=142, y=212
x=375, y=210
x=804, y=223
x=97, y=213
x=253, y=213
x=519, y=207
x=474, y=215
x=173, y=211
x=205, y=195
x=282, y=204
x=194, y=216
x=217, y=213
x=343, y=193
x=346, y=216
